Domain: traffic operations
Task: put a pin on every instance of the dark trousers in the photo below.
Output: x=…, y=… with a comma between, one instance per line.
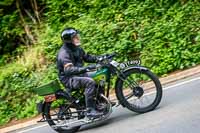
x=83, y=81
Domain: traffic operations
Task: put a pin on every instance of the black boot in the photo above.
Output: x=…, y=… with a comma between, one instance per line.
x=91, y=111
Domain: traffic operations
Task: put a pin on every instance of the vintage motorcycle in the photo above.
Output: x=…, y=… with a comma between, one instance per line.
x=136, y=88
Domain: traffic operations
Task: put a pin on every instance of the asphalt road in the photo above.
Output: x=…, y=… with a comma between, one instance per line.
x=179, y=112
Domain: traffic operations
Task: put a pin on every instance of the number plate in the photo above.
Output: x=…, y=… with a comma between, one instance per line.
x=130, y=63
x=50, y=98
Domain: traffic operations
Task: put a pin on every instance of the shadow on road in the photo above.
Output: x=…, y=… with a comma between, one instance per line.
x=115, y=117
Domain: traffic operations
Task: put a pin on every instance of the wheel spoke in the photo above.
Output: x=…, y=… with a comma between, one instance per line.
x=129, y=96
x=140, y=85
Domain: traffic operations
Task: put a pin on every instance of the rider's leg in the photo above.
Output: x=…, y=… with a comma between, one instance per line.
x=90, y=91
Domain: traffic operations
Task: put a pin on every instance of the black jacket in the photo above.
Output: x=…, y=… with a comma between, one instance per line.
x=70, y=61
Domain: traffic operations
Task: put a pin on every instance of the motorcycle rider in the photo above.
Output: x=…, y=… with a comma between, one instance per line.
x=72, y=73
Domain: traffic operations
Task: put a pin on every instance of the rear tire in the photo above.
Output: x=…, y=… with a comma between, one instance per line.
x=51, y=122
x=124, y=100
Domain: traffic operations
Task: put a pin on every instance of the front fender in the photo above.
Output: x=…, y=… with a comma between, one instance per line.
x=142, y=68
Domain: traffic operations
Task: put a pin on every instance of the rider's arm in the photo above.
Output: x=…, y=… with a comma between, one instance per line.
x=68, y=66
x=69, y=69
x=88, y=57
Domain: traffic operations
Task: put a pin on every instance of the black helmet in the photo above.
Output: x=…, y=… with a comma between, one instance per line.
x=67, y=34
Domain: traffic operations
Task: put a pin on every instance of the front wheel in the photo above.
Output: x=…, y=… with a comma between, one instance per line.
x=139, y=90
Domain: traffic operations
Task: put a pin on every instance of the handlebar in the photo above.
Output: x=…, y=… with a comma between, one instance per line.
x=111, y=55
x=105, y=59
x=106, y=56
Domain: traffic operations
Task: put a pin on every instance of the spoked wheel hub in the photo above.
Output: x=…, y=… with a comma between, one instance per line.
x=64, y=114
x=138, y=91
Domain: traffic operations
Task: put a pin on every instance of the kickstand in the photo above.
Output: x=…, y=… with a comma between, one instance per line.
x=43, y=119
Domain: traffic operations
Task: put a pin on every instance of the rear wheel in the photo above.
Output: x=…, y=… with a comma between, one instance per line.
x=58, y=114
x=139, y=91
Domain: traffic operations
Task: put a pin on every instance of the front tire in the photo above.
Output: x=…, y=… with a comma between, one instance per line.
x=138, y=77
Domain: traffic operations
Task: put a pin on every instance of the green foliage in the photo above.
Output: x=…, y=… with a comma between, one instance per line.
x=164, y=34
x=10, y=31
x=16, y=83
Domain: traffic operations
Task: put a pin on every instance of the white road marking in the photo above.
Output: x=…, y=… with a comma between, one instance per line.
x=33, y=128
x=166, y=88
x=181, y=83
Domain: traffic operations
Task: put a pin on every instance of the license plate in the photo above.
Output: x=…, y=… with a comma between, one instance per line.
x=50, y=98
